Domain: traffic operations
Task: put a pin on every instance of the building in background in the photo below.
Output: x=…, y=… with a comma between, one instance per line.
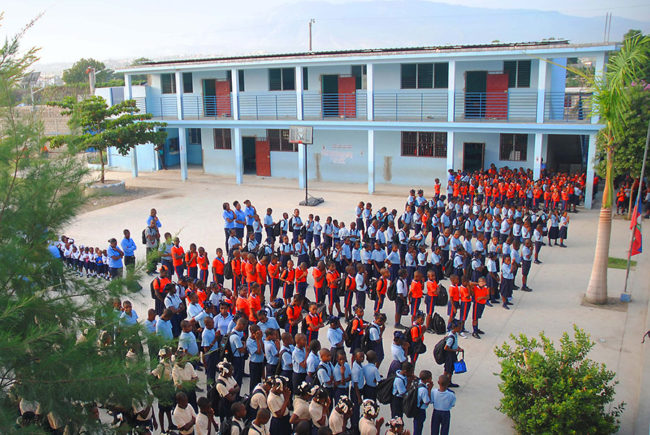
x=403, y=116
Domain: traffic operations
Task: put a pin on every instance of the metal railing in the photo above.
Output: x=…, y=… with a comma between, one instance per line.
x=514, y=105
x=410, y=106
x=567, y=107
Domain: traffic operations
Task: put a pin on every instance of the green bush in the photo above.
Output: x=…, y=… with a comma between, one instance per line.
x=556, y=391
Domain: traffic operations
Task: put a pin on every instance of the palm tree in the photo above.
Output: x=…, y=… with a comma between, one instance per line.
x=611, y=100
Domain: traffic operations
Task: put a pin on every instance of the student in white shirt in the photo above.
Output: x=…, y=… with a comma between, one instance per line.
x=369, y=425
x=184, y=416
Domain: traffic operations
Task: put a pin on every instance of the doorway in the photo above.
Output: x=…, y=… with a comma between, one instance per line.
x=475, y=88
x=473, y=155
x=329, y=95
x=248, y=154
x=209, y=98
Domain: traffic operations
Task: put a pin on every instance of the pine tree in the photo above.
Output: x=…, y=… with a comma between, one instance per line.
x=61, y=344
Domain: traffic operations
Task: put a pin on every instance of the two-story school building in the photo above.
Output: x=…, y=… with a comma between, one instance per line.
x=402, y=116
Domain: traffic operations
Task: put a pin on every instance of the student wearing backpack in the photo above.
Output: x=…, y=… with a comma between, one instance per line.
x=424, y=386
x=319, y=408
x=335, y=335
x=415, y=293
x=341, y=414
x=255, y=348
x=443, y=400
x=400, y=300
x=227, y=390
x=431, y=286
x=452, y=350
x=358, y=328
x=258, y=397
x=301, y=404
x=381, y=289
x=481, y=294
x=238, y=347
x=400, y=386
x=371, y=375
x=342, y=376
x=205, y=423
x=313, y=362
x=184, y=416
x=278, y=401
x=350, y=285
x=399, y=348
x=299, y=360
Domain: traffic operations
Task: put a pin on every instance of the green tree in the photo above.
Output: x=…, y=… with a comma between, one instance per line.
x=556, y=391
x=139, y=78
x=77, y=72
x=61, y=345
x=95, y=125
x=645, y=74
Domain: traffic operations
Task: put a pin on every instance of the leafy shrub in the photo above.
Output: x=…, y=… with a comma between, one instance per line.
x=556, y=391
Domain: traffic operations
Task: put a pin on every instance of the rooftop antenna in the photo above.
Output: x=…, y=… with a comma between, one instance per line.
x=311, y=21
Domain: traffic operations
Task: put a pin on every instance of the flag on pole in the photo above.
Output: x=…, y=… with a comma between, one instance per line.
x=635, y=226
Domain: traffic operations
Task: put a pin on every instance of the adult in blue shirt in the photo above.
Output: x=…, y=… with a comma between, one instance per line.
x=128, y=246
x=229, y=217
x=240, y=220
x=249, y=213
x=115, y=255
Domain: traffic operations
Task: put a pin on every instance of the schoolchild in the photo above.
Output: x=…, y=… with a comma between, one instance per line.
x=480, y=295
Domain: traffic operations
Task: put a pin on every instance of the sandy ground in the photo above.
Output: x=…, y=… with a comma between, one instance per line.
x=192, y=210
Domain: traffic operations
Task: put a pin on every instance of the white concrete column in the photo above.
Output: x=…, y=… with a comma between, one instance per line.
x=299, y=106
x=537, y=162
x=451, y=91
x=302, y=149
x=598, y=73
x=128, y=92
x=591, y=155
x=234, y=83
x=182, y=149
x=450, y=150
x=239, y=156
x=371, y=161
x=541, y=90
x=370, y=92
x=179, y=94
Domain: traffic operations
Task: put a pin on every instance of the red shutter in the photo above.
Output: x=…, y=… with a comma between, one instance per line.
x=223, y=98
x=348, y=97
x=497, y=96
x=263, y=158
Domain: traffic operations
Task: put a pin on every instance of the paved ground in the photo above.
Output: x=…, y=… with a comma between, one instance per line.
x=192, y=210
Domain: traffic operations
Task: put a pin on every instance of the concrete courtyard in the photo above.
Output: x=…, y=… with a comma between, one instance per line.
x=192, y=210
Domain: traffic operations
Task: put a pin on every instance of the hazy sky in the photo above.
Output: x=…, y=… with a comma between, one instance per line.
x=118, y=29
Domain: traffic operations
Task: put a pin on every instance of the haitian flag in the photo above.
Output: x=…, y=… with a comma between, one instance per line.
x=635, y=226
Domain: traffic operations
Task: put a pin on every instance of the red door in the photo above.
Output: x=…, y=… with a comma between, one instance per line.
x=263, y=157
x=497, y=96
x=348, y=97
x=223, y=98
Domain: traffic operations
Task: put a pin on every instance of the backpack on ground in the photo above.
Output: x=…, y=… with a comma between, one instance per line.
x=439, y=325
x=411, y=401
x=227, y=270
x=443, y=296
x=439, y=350
x=385, y=390
x=392, y=290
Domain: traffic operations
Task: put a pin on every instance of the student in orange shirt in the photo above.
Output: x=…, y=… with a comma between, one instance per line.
x=301, y=279
x=454, y=299
x=261, y=273
x=274, y=276
x=465, y=304
x=436, y=189
x=218, y=265
x=381, y=289
x=294, y=315
x=314, y=322
x=318, y=273
x=333, y=279
x=235, y=263
x=178, y=255
x=358, y=328
x=415, y=293
x=287, y=277
x=254, y=302
x=417, y=337
x=159, y=288
x=547, y=199
x=431, y=286
x=481, y=294
x=251, y=271
x=555, y=198
x=190, y=261
x=350, y=286
x=203, y=262
x=242, y=304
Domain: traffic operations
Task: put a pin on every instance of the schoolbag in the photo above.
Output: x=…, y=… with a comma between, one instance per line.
x=443, y=296
x=449, y=268
x=225, y=350
x=372, y=289
x=214, y=397
x=396, y=238
x=315, y=380
x=227, y=270
x=411, y=401
x=385, y=390
x=348, y=334
x=277, y=230
x=366, y=342
x=439, y=324
x=278, y=368
x=144, y=236
x=439, y=350
x=312, y=259
x=392, y=290
x=226, y=427
x=303, y=231
x=281, y=317
x=152, y=288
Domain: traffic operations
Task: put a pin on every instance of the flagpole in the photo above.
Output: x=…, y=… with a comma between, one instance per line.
x=638, y=197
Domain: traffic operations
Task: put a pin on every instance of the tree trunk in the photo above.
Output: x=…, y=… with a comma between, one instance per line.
x=101, y=161
x=597, y=289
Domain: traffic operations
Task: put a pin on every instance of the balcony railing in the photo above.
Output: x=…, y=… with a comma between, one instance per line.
x=514, y=105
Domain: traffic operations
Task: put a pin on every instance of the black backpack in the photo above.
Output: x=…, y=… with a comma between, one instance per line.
x=226, y=427
x=349, y=337
x=214, y=397
x=278, y=368
x=449, y=268
x=281, y=317
x=144, y=236
x=385, y=390
x=439, y=350
x=443, y=297
x=277, y=230
x=225, y=350
x=227, y=270
x=392, y=290
x=439, y=325
x=152, y=289
x=366, y=342
x=312, y=259
x=411, y=401
x=372, y=289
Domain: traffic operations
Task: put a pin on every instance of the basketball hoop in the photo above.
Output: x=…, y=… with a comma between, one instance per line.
x=303, y=135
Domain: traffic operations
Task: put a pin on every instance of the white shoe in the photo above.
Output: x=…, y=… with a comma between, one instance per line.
x=463, y=334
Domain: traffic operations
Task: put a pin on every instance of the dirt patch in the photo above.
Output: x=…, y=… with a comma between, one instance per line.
x=98, y=200
x=613, y=304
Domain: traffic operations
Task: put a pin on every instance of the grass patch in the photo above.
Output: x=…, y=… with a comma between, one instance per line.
x=619, y=263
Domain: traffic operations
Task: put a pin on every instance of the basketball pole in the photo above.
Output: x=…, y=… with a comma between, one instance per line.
x=305, y=164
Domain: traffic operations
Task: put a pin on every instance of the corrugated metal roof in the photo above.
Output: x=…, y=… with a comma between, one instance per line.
x=364, y=51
